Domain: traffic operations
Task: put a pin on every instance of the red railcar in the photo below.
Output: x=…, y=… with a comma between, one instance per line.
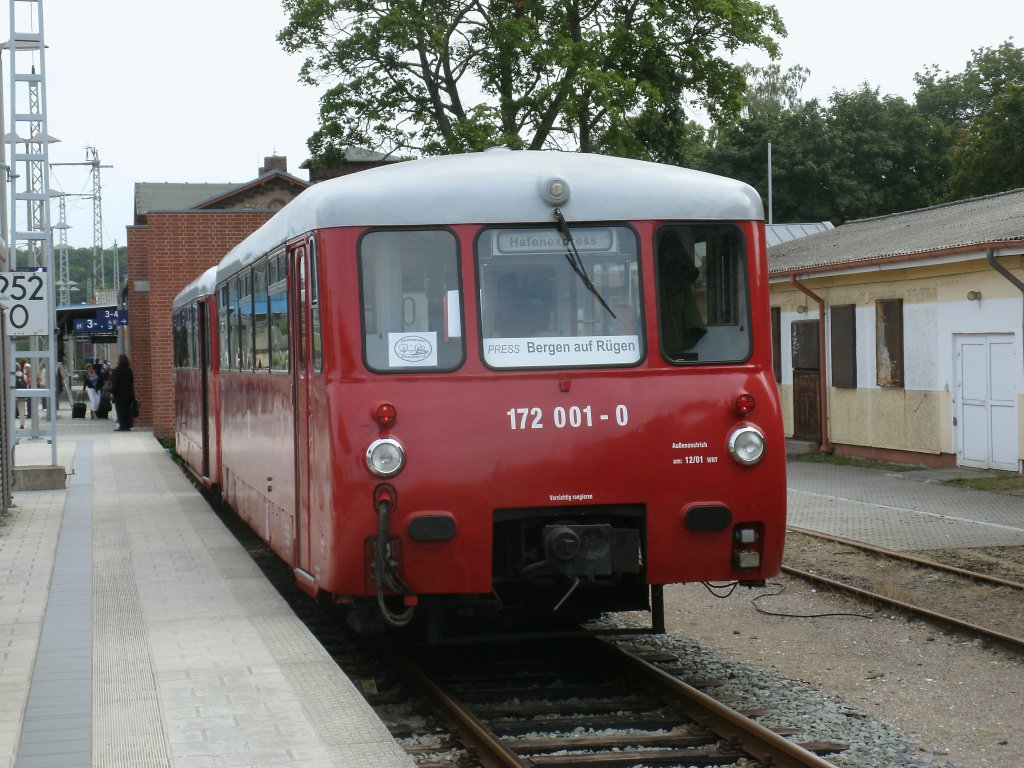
x=515, y=384
x=196, y=426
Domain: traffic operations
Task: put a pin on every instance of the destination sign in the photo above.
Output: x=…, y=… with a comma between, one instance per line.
x=520, y=241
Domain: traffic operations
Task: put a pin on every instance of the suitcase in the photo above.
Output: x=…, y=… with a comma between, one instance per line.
x=78, y=411
x=104, y=407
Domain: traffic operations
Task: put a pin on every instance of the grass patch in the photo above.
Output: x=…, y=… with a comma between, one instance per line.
x=995, y=483
x=851, y=461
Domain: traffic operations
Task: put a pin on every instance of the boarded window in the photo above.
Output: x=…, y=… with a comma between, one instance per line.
x=844, y=346
x=804, y=341
x=889, y=342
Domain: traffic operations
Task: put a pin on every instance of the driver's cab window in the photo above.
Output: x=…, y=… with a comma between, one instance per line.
x=703, y=309
x=411, y=297
x=546, y=302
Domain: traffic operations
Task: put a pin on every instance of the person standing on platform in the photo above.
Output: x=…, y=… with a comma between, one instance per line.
x=20, y=383
x=26, y=369
x=93, y=386
x=122, y=389
x=44, y=402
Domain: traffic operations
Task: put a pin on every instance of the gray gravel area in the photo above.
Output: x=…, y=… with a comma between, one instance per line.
x=898, y=691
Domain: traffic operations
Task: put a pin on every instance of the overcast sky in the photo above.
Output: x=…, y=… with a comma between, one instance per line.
x=200, y=91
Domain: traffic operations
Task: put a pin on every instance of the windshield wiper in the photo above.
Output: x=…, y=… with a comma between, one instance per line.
x=573, y=257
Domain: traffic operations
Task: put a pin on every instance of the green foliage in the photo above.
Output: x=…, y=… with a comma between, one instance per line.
x=621, y=78
x=864, y=154
x=438, y=77
x=980, y=111
x=959, y=99
x=80, y=268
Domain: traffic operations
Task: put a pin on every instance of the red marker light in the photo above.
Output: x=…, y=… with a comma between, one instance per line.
x=744, y=403
x=386, y=414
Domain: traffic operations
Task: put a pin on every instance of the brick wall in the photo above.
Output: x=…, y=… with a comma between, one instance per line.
x=164, y=256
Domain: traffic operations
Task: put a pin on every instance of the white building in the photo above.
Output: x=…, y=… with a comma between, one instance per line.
x=901, y=338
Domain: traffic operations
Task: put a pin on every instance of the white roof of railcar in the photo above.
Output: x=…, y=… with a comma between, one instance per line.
x=201, y=286
x=502, y=186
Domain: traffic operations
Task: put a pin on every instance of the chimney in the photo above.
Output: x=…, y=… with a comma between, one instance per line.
x=274, y=163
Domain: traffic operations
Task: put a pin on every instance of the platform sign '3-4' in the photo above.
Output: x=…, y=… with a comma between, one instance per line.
x=24, y=295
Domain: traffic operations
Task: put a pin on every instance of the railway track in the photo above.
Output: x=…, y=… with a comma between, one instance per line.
x=969, y=601
x=579, y=702
x=585, y=703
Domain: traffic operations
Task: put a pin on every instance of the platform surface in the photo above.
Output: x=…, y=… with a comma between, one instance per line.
x=136, y=631
x=908, y=511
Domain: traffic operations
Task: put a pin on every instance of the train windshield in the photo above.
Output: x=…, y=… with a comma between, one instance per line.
x=412, y=317
x=703, y=311
x=537, y=312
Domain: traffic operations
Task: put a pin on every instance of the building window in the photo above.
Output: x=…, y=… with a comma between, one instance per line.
x=804, y=345
x=889, y=342
x=844, y=346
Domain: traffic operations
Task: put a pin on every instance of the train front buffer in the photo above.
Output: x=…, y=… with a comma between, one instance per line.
x=578, y=507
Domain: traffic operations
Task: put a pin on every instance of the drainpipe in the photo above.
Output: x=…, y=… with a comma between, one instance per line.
x=991, y=256
x=826, y=443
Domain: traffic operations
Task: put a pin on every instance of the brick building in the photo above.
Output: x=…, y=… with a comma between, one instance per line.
x=179, y=231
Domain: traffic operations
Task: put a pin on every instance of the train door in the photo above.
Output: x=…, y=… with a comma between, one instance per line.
x=299, y=328
x=203, y=319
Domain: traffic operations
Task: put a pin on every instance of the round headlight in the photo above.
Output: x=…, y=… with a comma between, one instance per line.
x=554, y=190
x=385, y=457
x=747, y=445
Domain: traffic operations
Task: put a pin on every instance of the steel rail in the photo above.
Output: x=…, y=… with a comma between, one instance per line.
x=756, y=740
x=909, y=558
x=1016, y=642
x=480, y=733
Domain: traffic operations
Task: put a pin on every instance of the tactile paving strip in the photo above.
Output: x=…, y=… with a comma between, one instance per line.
x=57, y=728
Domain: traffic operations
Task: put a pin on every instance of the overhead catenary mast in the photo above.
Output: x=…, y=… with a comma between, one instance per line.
x=99, y=279
x=97, y=219
x=31, y=237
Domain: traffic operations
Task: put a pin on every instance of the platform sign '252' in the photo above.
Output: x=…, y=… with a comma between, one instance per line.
x=24, y=295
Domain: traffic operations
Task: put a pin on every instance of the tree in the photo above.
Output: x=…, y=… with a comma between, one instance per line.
x=989, y=157
x=888, y=157
x=861, y=155
x=980, y=112
x=959, y=99
x=596, y=75
x=773, y=112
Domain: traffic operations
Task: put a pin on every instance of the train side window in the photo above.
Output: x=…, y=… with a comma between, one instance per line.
x=192, y=333
x=223, y=320
x=261, y=317
x=245, y=321
x=703, y=307
x=206, y=337
x=316, y=341
x=177, y=339
x=277, y=294
x=233, y=329
x=411, y=301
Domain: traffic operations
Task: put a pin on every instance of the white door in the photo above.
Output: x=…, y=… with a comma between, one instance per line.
x=986, y=402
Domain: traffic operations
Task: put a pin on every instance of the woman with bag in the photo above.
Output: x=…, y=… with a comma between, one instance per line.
x=92, y=386
x=122, y=389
